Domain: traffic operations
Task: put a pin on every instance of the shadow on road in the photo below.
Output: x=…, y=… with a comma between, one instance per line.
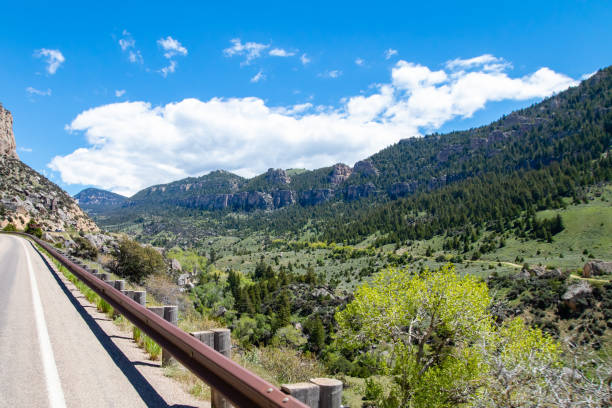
x=138, y=381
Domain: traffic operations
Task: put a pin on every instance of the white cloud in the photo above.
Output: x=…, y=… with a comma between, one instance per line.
x=333, y=74
x=486, y=62
x=128, y=44
x=588, y=75
x=304, y=59
x=359, y=61
x=279, y=52
x=251, y=50
x=119, y=93
x=24, y=149
x=390, y=52
x=34, y=91
x=260, y=76
x=132, y=145
x=172, y=47
x=407, y=75
x=53, y=58
x=169, y=69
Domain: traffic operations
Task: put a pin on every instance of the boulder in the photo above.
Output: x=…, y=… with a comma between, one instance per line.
x=365, y=168
x=576, y=292
x=339, y=173
x=596, y=267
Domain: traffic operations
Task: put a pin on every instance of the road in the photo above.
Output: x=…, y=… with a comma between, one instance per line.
x=52, y=352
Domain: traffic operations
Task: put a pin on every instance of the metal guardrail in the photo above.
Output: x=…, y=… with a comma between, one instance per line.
x=237, y=384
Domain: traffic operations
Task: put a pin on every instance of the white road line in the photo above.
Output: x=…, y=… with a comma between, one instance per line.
x=54, y=386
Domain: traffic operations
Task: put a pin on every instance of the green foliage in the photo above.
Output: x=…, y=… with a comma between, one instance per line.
x=85, y=249
x=136, y=262
x=33, y=229
x=10, y=227
x=442, y=334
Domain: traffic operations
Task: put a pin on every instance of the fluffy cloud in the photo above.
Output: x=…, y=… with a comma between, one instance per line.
x=119, y=93
x=34, y=91
x=359, y=61
x=304, y=59
x=172, y=47
x=250, y=50
x=53, y=58
x=132, y=145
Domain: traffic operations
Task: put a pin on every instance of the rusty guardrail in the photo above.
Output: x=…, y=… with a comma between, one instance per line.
x=237, y=384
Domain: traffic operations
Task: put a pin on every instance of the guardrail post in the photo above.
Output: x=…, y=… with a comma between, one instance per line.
x=308, y=393
x=223, y=344
x=207, y=337
x=330, y=392
x=120, y=285
x=170, y=315
x=140, y=296
x=128, y=293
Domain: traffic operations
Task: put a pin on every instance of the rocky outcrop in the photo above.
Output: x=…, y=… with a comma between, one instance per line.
x=339, y=173
x=8, y=146
x=28, y=196
x=596, y=267
x=283, y=198
x=316, y=196
x=277, y=176
x=359, y=191
x=365, y=168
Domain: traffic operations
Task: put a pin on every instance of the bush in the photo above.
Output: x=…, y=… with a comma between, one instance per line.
x=135, y=262
x=10, y=228
x=85, y=249
x=33, y=229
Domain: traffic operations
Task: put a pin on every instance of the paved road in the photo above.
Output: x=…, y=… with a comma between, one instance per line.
x=52, y=353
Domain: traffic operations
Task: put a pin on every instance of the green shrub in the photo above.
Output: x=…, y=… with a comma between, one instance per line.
x=10, y=228
x=135, y=262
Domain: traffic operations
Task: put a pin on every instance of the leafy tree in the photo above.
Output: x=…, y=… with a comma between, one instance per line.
x=432, y=322
x=136, y=262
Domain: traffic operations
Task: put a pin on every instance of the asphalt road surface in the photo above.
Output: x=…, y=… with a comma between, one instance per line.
x=52, y=353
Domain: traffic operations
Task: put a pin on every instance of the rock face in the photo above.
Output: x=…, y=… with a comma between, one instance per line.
x=26, y=195
x=596, y=267
x=7, y=139
x=365, y=168
x=339, y=173
x=277, y=176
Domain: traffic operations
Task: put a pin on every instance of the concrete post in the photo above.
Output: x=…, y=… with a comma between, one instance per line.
x=308, y=393
x=222, y=344
x=170, y=315
x=128, y=293
x=105, y=277
x=207, y=337
x=140, y=296
x=330, y=392
x=120, y=284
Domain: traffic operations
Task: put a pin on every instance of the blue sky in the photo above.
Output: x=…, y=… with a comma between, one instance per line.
x=282, y=84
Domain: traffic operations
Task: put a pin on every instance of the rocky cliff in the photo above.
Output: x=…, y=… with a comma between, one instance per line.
x=7, y=139
x=94, y=200
x=28, y=196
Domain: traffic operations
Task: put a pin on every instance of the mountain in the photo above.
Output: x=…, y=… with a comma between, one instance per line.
x=26, y=195
x=94, y=200
x=531, y=157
